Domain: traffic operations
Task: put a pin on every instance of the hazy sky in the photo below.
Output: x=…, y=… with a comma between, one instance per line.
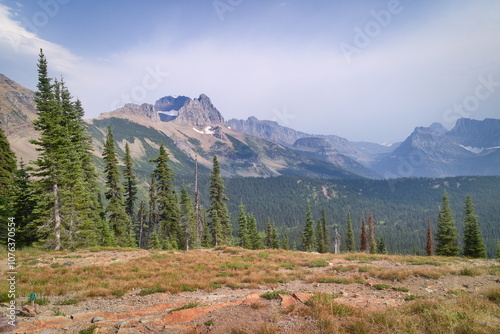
x=364, y=70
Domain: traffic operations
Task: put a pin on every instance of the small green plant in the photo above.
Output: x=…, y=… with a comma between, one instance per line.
x=263, y=255
x=188, y=288
x=289, y=266
x=71, y=301
x=401, y=288
x=413, y=297
x=89, y=330
x=149, y=291
x=381, y=286
x=318, y=263
x=56, y=265
x=334, y=280
x=363, y=269
x=4, y=297
x=493, y=295
x=224, y=274
x=467, y=271
x=209, y=323
x=235, y=265
x=118, y=293
x=183, y=307
x=274, y=294
x=57, y=312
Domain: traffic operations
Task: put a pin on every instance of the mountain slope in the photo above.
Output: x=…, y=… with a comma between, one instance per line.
x=472, y=147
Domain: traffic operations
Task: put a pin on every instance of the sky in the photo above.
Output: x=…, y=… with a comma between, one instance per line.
x=365, y=70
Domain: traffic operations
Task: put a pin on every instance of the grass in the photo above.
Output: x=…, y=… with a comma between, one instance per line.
x=184, y=307
x=468, y=271
x=150, y=291
x=274, y=294
x=71, y=301
x=381, y=286
x=89, y=330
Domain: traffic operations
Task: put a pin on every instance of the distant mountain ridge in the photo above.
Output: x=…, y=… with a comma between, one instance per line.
x=194, y=127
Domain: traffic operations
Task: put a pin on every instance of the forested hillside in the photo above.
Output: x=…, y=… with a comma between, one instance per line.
x=400, y=207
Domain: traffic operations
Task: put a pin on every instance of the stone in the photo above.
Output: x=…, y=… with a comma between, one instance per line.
x=287, y=300
x=302, y=297
x=96, y=319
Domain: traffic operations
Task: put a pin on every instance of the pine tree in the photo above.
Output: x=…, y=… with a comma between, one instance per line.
x=200, y=224
x=154, y=241
x=188, y=221
x=130, y=183
x=308, y=240
x=164, y=203
x=253, y=233
x=285, y=244
x=498, y=251
x=371, y=229
x=381, y=248
x=243, y=236
x=350, y=241
x=271, y=239
x=119, y=220
x=429, y=249
x=222, y=234
x=142, y=215
x=8, y=169
x=320, y=246
x=473, y=241
x=364, y=239
x=23, y=206
x=66, y=208
x=322, y=237
x=446, y=231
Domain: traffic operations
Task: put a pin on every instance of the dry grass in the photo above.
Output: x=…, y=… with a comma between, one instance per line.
x=465, y=314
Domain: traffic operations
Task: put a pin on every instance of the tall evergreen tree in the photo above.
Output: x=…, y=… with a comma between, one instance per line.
x=497, y=256
x=188, y=222
x=119, y=220
x=322, y=237
x=200, y=223
x=320, y=246
x=371, y=229
x=130, y=183
x=446, y=236
x=429, y=249
x=164, y=207
x=243, y=235
x=364, y=239
x=8, y=169
x=271, y=239
x=218, y=207
x=473, y=241
x=66, y=206
x=23, y=207
x=350, y=241
x=285, y=244
x=253, y=233
x=142, y=215
x=308, y=240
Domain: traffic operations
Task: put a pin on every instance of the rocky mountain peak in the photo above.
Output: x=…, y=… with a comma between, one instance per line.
x=476, y=133
x=199, y=112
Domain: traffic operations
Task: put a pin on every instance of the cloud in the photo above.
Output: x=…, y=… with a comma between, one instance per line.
x=18, y=41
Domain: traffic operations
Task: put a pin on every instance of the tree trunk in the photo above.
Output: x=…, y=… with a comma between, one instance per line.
x=57, y=218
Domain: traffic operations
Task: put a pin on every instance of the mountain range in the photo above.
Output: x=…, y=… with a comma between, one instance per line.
x=193, y=128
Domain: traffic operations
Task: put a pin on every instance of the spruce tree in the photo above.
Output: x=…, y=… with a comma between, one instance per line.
x=271, y=239
x=308, y=240
x=371, y=229
x=498, y=251
x=473, y=241
x=188, y=222
x=429, y=249
x=243, y=235
x=8, y=169
x=66, y=208
x=364, y=239
x=381, y=248
x=446, y=236
x=221, y=234
x=322, y=237
x=253, y=233
x=142, y=215
x=350, y=241
x=320, y=246
x=164, y=204
x=119, y=220
x=285, y=244
x=130, y=183
x=23, y=206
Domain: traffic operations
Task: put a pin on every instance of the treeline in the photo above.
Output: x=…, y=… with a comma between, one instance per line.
x=57, y=203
